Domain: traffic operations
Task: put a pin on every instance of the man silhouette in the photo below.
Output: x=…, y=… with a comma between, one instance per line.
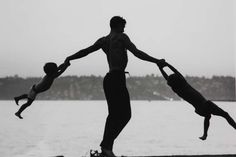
x=115, y=46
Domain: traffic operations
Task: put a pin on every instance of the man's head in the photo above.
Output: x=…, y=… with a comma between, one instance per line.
x=50, y=68
x=117, y=23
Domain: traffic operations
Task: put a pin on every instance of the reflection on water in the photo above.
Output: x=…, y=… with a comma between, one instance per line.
x=71, y=128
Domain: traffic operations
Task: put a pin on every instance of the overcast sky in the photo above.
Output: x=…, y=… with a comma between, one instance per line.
x=196, y=36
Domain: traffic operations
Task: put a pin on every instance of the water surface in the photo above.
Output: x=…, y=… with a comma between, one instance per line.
x=71, y=128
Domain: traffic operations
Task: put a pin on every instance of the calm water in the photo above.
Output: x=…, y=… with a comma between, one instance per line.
x=71, y=128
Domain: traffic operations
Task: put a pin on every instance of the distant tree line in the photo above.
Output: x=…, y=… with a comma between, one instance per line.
x=149, y=87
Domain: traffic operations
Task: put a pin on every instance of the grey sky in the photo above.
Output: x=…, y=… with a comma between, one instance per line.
x=196, y=36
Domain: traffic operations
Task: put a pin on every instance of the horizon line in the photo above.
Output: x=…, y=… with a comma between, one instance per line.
x=129, y=75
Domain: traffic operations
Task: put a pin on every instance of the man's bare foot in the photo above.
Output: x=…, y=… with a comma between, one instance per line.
x=203, y=137
x=18, y=115
x=107, y=153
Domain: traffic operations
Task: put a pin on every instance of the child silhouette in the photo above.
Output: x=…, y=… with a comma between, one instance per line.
x=52, y=72
x=203, y=107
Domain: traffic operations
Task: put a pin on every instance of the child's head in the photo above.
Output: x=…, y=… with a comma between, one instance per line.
x=50, y=68
x=175, y=80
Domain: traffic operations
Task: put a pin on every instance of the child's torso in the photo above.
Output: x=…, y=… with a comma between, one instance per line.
x=44, y=84
x=191, y=95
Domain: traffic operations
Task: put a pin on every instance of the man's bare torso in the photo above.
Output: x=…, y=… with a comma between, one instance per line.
x=114, y=47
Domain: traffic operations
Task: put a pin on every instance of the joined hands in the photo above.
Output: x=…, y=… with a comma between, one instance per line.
x=161, y=63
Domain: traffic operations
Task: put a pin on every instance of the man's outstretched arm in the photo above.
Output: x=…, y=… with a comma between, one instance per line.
x=140, y=54
x=84, y=52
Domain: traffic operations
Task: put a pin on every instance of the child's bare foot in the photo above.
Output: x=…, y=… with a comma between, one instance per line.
x=18, y=115
x=203, y=137
x=16, y=100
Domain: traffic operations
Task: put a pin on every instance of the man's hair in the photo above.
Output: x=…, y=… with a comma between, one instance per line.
x=117, y=21
x=50, y=68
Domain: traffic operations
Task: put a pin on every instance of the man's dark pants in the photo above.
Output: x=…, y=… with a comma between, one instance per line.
x=119, y=110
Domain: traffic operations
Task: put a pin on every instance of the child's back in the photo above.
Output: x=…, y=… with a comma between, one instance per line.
x=181, y=87
x=44, y=84
x=52, y=72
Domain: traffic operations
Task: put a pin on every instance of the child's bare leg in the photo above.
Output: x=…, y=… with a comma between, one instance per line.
x=206, y=127
x=229, y=120
x=220, y=112
x=24, y=96
x=23, y=107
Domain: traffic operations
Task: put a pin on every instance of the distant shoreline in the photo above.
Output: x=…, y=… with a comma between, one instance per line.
x=150, y=87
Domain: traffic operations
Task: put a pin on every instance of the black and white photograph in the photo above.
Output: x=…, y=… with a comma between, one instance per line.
x=117, y=78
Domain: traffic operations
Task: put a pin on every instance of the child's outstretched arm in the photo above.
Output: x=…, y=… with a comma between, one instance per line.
x=174, y=70
x=164, y=74
x=206, y=127
x=62, y=68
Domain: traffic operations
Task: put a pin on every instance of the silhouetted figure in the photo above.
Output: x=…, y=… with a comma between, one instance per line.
x=52, y=72
x=115, y=46
x=202, y=106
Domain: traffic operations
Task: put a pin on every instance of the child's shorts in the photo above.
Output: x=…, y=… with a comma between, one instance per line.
x=32, y=93
x=203, y=110
x=210, y=108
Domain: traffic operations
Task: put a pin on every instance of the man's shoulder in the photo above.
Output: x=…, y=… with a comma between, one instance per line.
x=124, y=35
x=100, y=41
